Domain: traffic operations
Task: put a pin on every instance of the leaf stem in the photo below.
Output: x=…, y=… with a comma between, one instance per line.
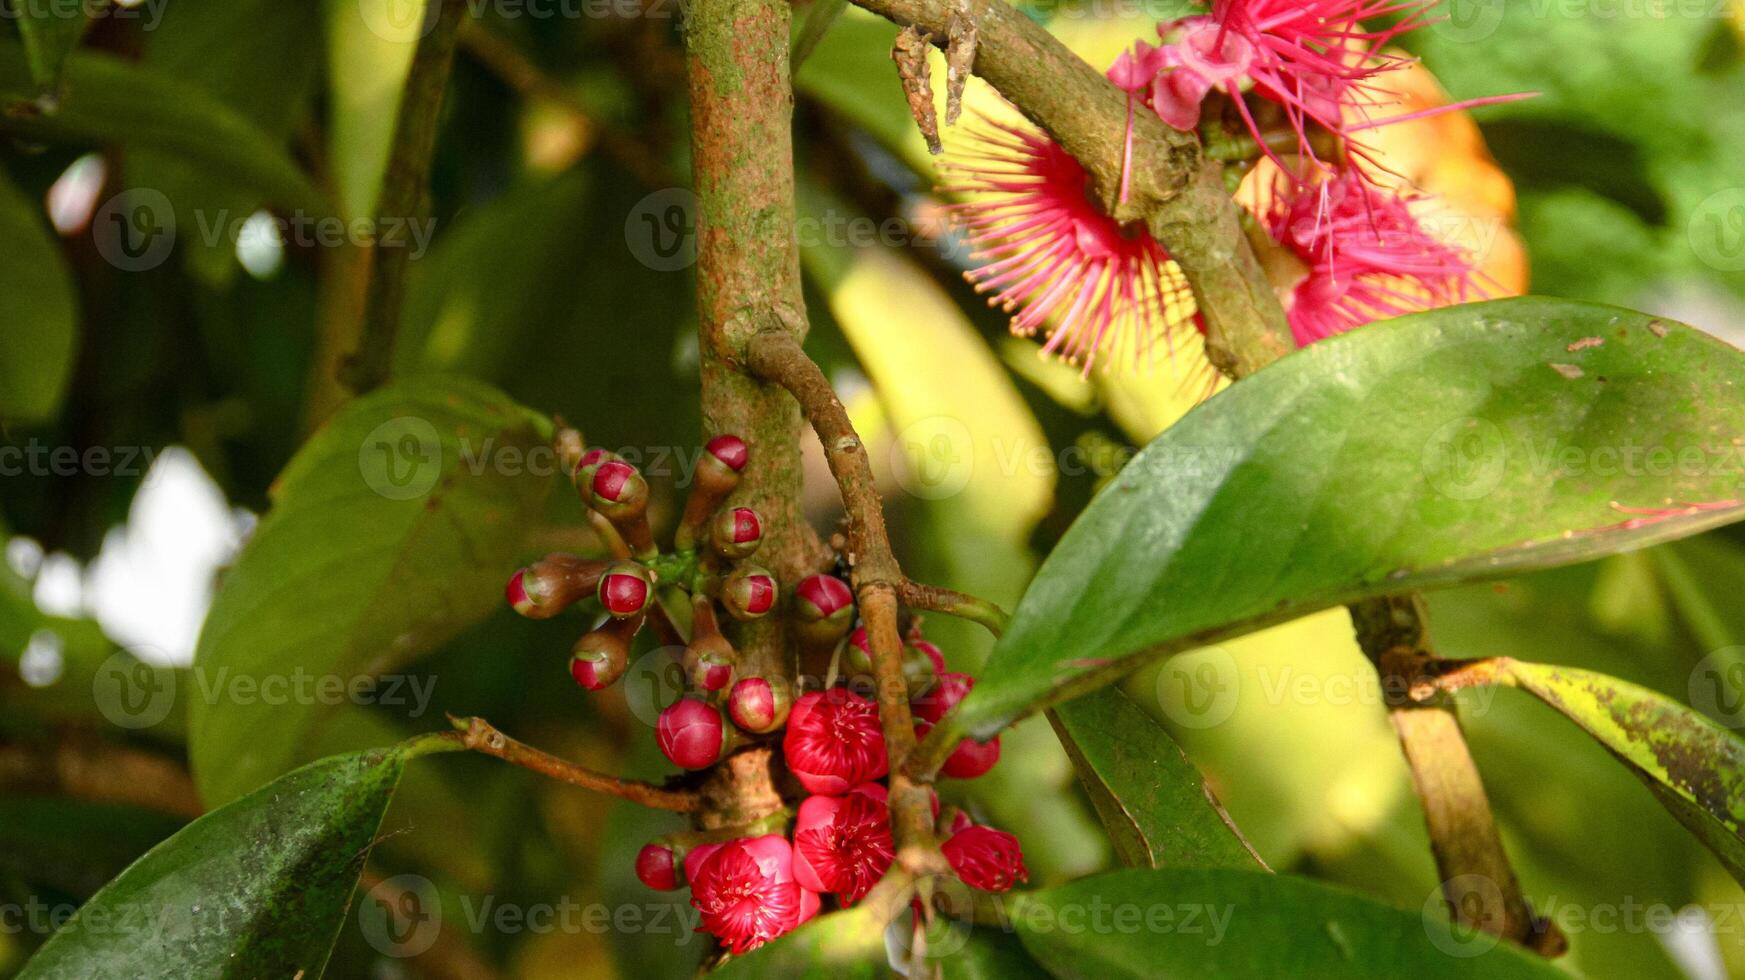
x=1478, y=882
x=478, y=735
x=952, y=603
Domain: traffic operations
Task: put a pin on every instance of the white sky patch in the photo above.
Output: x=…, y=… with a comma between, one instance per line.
x=152, y=581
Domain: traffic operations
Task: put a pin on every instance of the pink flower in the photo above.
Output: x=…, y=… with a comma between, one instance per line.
x=1049, y=255
x=1366, y=257
x=746, y=892
x=833, y=741
x=1313, y=58
x=985, y=858
x=843, y=844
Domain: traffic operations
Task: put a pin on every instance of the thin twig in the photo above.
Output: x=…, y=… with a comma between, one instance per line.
x=949, y=602
x=504, y=60
x=479, y=736
x=777, y=357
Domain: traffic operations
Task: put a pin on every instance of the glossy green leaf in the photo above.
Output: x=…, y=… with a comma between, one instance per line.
x=120, y=102
x=1246, y=924
x=40, y=311
x=1695, y=768
x=257, y=888
x=1156, y=806
x=392, y=529
x=50, y=32
x=839, y=946
x=1460, y=444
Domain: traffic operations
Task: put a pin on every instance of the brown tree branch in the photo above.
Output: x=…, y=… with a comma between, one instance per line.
x=88, y=768
x=478, y=735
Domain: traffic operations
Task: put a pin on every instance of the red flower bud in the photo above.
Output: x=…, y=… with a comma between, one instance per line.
x=823, y=609
x=583, y=474
x=625, y=589
x=945, y=695
x=552, y=584
x=655, y=868
x=746, y=892
x=757, y=706
x=691, y=734
x=833, y=741
x=985, y=858
x=599, y=658
x=748, y=593
x=619, y=490
x=953, y=821
x=709, y=659
x=970, y=760
x=932, y=653
x=711, y=672
x=736, y=533
x=730, y=451
x=918, y=672
x=843, y=844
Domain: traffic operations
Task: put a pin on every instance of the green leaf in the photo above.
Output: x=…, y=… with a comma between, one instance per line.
x=74, y=846
x=257, y=888
x=259, y=57
x=50, y=32
x=1455, y=445
x=1157, y=807
x=1695, y=768
x=1239, y=924
x=40, y=310
x=391, y=530
x=988, y=954
x=116, y=101
x=820, y=15
x=839, y=946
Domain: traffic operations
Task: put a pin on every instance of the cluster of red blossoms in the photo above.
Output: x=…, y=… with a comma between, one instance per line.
x=752, y=888
x=1061, y=263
